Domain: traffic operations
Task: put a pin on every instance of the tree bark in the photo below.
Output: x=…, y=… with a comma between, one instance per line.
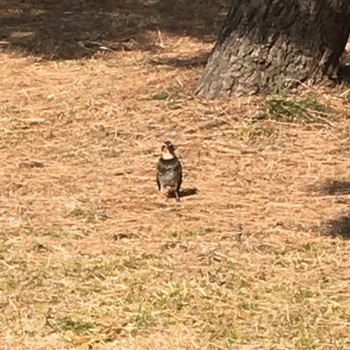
x=266, y=44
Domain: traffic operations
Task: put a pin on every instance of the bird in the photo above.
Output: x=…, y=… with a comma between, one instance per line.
x=169, y=170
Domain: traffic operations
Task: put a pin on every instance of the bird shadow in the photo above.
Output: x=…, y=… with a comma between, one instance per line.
x=184, y=192
x=338, y=227
x=332, y=188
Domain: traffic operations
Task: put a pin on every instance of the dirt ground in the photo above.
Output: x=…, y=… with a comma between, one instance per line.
x=93, y=257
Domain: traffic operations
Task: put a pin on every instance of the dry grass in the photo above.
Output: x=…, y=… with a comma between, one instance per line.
x=91, y=257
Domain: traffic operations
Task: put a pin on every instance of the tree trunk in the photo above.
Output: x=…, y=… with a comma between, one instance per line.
x=266, y=44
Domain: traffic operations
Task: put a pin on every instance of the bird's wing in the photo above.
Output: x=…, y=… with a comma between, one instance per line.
x=165, y=165
x=162, y=168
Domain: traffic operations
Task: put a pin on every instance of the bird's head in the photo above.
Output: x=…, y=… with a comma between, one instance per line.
x=168, y=150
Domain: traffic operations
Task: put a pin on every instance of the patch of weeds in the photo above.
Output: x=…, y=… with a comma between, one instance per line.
x=310, y=247
x=278, y=287
x=307, y=110
x=303, y=293
x=132, y=262
x=51, y=233
x=35, y=279
x=57, y=233
x=68, y=323
x=4, y=246
x=75, y=269
x=172, y=99
x=91, y=267
x=222, y=327
x=345, y=316
x=79, y=213
x=142, y=318
x=245, y=305
x=186, y=234
x=83, y=199
x=161, y=95
x=305, y=341
x=40, y=248
x=103, y=269
x=204, y=230
x=254, y=132
x=135, y=292
x=295, y=318
x=173, y=296
x=231, y=265
x=172, y=234
x=7, y=284
x=170, y=94
x=233, y=336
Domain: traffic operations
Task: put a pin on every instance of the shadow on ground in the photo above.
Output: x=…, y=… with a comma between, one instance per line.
x=332, y=188
x=76, y=29
x=344, y=71
x=182, y=62
x=185, y=192
x=338, y=227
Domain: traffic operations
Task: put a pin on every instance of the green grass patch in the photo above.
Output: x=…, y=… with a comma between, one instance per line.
x=303, y=110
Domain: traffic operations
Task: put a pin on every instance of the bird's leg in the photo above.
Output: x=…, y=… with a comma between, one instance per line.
x=177, y=195
x=163, y=191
